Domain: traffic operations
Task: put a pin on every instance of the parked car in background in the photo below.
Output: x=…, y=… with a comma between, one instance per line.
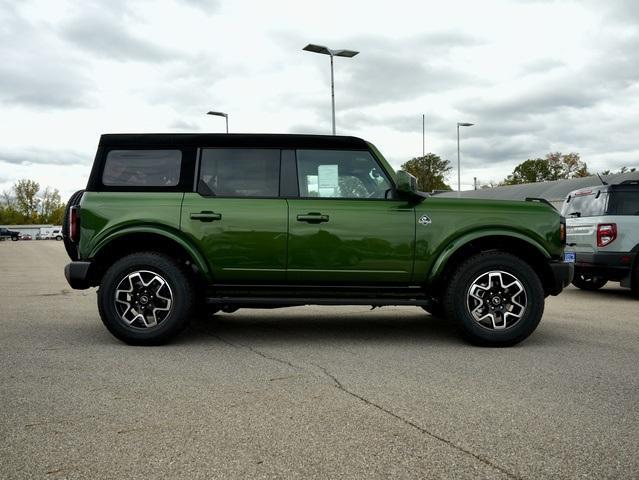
x=26, y=236
x=603, y=235
x=51, y=233
x=5, y=233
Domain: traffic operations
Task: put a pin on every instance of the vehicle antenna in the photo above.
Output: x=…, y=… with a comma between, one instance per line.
x=603, y=182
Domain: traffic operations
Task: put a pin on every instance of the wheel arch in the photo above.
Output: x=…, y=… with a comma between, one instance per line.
x=510, y=242
x=130, y=240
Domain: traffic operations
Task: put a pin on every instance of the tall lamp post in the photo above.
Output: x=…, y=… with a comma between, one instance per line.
x=221, y=114
x=460, y=124
x=332, y=53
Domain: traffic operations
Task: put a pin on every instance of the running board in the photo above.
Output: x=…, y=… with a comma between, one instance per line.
x=297, y=301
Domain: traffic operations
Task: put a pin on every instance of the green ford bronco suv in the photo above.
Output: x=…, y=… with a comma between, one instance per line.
x=171, y=225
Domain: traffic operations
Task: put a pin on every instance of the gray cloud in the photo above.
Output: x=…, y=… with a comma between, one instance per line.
x=208, y=6
x=320, y=128
x=107, y=36
x=387, y=69
x=380, y=78
x=37, y=74
x=185, y=126
x=41, y=156
x=541, y=65
x=188, y=84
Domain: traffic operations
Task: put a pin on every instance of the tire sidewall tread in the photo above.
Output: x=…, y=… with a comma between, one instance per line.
x=179, y=280
x=456, y=291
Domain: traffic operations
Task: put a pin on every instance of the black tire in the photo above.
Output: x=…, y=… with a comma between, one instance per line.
x=436, y=309
x=634, y=281
x=15, y=239
x=69, y=246
x=488, y=332
x=588, y=282
x=181, y=292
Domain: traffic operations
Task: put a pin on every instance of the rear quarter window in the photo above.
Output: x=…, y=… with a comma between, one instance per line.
x=624, y=203
x=142, y=168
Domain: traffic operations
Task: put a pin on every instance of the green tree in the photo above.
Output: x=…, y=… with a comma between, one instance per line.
x=8, y=213
x=554, y=166
x=623, y=169
x=50, y=203
x=27, y=201
x=430, y=170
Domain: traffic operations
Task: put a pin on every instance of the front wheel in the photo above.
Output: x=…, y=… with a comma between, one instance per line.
x=146, y=298
x=588, y=282
x=495, y=299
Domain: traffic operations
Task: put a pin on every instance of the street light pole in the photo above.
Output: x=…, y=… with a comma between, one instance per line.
x=333, y=94
x=460, y=124
x=423, y=134
x=221, y=114
x=332, y=53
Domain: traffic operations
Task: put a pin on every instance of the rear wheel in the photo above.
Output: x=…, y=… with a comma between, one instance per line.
x=588, y=282
x=495, y=299
x=146, y=298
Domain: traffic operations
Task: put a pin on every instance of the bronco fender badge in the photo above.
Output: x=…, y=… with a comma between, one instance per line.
x=425, y=220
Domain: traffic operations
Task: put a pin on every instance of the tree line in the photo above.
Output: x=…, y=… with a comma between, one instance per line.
x=431, y=170
x=26, y=204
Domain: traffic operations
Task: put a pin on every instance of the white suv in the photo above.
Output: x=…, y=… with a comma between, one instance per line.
x=603, y=234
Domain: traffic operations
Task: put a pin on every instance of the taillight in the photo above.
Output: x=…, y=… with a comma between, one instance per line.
x=562, y=231
x=74, y=223
x=606, y=234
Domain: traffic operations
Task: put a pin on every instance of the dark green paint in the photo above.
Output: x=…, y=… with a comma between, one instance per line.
x=363, y=241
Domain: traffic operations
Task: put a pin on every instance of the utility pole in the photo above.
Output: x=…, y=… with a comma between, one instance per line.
x=423, y=134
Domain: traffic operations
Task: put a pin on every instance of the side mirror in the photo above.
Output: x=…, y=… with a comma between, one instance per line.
x=406, y=183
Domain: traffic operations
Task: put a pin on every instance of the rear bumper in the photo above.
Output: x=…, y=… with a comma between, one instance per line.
x=562, y=274
x=77, y=274
x=611, y=265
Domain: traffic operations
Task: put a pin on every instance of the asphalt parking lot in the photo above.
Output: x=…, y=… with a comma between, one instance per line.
x=309, y=392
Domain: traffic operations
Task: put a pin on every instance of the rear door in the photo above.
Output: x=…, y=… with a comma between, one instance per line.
x=236, y=216
x=345, y=227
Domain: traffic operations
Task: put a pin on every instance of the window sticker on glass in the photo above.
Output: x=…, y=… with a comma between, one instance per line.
x=328, y=180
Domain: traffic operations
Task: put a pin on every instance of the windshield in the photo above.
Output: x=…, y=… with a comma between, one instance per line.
x=585, y=205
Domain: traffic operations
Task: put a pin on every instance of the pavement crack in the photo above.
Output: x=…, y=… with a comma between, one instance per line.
x=251, y=349
x=414, y=425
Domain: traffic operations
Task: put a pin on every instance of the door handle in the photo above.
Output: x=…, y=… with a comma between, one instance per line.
x=206, y=216
x=312, y=218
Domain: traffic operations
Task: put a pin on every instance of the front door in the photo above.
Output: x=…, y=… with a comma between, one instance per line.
x=236, y=217
x=343, y=229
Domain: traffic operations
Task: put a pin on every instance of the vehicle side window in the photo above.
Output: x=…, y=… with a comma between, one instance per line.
x=239, y=172
x=142, y=168
x=624, y=203
x=340, y=174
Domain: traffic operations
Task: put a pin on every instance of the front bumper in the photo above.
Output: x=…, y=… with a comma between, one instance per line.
x=562, y=274
x=611, y=265
x=77, y=274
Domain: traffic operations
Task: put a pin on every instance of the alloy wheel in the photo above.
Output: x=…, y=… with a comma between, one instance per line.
x=143, y=299
x=496, y=300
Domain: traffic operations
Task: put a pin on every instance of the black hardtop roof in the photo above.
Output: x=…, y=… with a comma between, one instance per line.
x=626, y=186
x=254, y=140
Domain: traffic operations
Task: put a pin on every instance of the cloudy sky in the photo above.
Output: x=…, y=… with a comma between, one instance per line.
x=534, y=76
